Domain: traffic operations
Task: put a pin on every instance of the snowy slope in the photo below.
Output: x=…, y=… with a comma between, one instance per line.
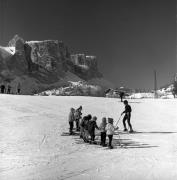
x=6, y=52
x=31, y=145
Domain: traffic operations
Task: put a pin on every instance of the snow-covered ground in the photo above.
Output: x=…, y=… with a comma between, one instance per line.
x=32, y=145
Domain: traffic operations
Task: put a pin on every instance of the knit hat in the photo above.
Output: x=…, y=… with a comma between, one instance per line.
x=94, y=118
x=89, y=116
x=110, y=120
x=72, y=109
x=104, y=120
x=80, y=108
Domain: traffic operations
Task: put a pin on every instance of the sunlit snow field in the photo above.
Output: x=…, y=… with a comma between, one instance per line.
x=32, y=145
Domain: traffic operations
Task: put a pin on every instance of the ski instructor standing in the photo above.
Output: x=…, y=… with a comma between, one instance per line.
x=127, y=116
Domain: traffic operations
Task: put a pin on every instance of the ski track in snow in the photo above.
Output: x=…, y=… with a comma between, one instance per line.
x=32, y=145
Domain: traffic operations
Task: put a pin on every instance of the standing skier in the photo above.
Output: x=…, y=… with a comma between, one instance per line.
x=78, y=116
x=18, y=88
x=91, y=129
x=71, y=120
x=3, y=88
x=127, y=116
x=85, y=125
x=102, y=128
x=110, y=129
x=121, y=95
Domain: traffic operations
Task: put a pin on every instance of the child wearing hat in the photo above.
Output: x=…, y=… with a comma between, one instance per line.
x=85, y=128
x=71, y=119
x=103, y=131
x=110, y=131
x=91, y=129
x=78, y=116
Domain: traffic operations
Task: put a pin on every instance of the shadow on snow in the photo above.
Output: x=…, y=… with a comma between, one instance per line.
x=146, y=132
x=128, y=143
x=118, y=143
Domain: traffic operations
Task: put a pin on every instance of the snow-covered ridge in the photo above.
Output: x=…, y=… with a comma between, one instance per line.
x=44, y=41
x=7, y=50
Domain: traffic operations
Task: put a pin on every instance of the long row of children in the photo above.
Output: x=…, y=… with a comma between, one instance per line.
x=87, y=126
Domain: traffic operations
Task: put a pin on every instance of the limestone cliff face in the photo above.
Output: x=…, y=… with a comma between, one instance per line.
x=52, y=56
x=45, y=54
x=85, y=66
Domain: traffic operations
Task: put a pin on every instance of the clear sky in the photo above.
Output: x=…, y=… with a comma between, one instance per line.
x=130, y=38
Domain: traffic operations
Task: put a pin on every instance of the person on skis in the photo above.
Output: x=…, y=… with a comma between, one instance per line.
x=71, y=120
x=102, y=128
x=127, y=116
x=85, y=124
x=122, y=94
x=110, y=130
x=78, y=117
x=92, y=125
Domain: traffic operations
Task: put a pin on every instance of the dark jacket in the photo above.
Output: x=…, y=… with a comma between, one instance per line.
x=82, y=122
x=103, y=127
x=71, y=117
x=91, y=127
x=128, y=110
x=78, y=114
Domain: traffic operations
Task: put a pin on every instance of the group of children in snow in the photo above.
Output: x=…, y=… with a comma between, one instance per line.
x=87, y=125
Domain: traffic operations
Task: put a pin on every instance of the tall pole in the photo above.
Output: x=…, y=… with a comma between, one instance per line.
x=155, y=84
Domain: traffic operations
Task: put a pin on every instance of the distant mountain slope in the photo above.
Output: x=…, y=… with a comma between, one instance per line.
x=43, y=65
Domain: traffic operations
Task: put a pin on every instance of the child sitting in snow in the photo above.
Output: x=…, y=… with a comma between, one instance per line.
x=103, y=131
x=110, y=131
x=91, y=129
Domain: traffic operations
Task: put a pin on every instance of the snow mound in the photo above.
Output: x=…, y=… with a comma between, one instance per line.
x=6, y=52
x=74, y=88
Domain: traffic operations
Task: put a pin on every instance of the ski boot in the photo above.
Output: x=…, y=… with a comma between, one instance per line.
x=104, y=145
x=110, y=147
x=131, y=131
x=125, y=130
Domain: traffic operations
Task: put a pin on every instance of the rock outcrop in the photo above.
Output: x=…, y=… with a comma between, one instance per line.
x=85, y=66
x=45, y=54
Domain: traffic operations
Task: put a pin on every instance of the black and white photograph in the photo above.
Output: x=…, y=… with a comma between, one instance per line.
x=88, y=90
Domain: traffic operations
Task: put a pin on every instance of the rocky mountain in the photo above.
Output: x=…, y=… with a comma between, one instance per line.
x=42, y=65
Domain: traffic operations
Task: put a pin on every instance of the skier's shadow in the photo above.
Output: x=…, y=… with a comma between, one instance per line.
x=156, y=132
x=149, y=132
x=119, y=143
x=128, y=143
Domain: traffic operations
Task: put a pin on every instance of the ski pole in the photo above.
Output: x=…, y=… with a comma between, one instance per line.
x=118, y=120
